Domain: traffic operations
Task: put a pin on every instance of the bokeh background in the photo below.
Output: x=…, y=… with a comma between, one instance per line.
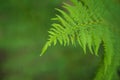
x=23, y=32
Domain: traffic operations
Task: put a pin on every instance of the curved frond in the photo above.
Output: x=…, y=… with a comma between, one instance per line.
x=84, y=23
x=73, y=26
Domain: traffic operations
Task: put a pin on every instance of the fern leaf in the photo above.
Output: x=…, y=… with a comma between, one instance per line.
x=73, y=27
x=67, y=18
x=83, y=40
x=85, y=23
x=90, y=42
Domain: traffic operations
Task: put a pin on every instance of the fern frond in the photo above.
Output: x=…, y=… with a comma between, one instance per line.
x=84, y=23
x=75, y=25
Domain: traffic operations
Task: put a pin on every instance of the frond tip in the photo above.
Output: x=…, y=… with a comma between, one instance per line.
x=45, y=48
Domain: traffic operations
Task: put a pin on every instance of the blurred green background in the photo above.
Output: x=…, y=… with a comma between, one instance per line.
x=23, y=32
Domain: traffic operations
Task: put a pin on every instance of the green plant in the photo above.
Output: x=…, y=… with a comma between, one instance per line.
x=90, y=23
